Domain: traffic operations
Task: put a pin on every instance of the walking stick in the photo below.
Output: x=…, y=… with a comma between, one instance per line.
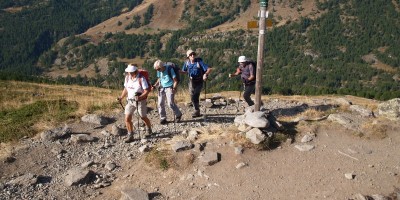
x=137, y=111
x=120, y=103
x=205, y=100
x=240, y=94
x=138, y=122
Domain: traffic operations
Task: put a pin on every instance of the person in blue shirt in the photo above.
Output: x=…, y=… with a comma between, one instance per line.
x=198, y=72
x=168, y=82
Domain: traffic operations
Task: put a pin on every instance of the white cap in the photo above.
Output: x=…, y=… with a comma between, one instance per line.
x=158, y=64
x=131, y=68
x=242, y=59
x=189, y=52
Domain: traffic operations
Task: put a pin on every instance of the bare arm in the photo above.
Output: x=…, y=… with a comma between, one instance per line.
x=175, y=83
x=208, y=71
x=144, y=94
x=123, y=94
x=234, y=74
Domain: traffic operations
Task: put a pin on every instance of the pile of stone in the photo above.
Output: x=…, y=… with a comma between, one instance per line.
x=257, y=125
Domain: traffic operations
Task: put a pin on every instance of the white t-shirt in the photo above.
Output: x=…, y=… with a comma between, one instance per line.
x=133, y=86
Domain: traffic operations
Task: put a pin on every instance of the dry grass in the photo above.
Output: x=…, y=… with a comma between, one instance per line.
x=310, y=114
x=162, y=159
x=90, y=99
x=376, y=129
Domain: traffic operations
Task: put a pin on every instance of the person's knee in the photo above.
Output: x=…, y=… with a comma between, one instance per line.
x=128, y=119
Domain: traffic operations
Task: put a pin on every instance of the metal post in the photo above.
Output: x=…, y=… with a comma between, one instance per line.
x=260, y=54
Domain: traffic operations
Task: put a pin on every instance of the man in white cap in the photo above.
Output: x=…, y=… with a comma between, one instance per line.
x=136, y=89
x=247, y=70
x=168, y=82
x=198, y=72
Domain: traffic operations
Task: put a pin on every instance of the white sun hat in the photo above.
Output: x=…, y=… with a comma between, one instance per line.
x=242, y=59
x=131, y=68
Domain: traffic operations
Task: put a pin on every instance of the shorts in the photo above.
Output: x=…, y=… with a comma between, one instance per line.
x=130, y=108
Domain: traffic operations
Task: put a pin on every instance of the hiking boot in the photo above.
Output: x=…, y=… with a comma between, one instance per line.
x=196, y=113
x=178, y=119
x=129, y=138
x=163, y=121
x=148, y=133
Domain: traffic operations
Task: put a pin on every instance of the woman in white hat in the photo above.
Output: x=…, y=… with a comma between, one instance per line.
x=136, y=89
x=247, y=71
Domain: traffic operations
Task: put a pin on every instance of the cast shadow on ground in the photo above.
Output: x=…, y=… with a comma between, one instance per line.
x=292, y=111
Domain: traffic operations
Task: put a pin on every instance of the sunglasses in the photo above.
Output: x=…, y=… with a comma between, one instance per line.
x=192, y=54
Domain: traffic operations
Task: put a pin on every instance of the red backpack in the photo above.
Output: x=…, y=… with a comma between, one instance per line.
x=144, y=73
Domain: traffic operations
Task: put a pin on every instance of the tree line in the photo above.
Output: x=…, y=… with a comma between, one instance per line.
x=305, y=57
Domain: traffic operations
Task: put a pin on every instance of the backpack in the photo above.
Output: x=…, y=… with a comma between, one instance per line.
x=176, y=70
x=254, y=72
x=144, y=73
x=254, y=66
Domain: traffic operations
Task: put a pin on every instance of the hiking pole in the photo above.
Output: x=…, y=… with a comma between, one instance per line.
x=205, y=100
x=120, y=103
x=174, y=123
x=137, y=112
x=240, y=94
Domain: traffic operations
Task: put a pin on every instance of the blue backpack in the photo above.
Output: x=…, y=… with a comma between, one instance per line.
x=171, y=65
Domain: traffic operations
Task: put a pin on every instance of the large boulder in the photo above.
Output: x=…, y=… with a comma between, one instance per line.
x=134, y=194
x=365, y=112
x=257, y=119
x=390, y=109
x=76, y=176
x=256, y=136
x=94, y=119
x=54, y=134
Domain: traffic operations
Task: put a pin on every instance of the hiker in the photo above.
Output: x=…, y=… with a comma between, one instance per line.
x=167, y=82
x=136, y=89
x=247, y=71
x=198, y=72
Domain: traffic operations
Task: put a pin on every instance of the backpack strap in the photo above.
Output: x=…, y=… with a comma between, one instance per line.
x=169, y=68
x=140, y=80
x=196, y=60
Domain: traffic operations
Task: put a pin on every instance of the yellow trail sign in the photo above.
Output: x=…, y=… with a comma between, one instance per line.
x=252, y=24
x=269, y=22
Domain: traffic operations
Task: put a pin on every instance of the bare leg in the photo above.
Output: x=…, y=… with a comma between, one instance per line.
x=128, y=123
x=147, y=122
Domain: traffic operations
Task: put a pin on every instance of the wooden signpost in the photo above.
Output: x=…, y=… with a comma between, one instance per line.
x=263, y=14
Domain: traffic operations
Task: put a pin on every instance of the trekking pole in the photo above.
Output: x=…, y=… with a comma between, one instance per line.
x=240, y=94
x=205, y=100
x=120, y=103
x=174, y=123
x=137, y=112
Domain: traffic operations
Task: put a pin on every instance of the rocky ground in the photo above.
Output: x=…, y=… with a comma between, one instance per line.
x=345, y=151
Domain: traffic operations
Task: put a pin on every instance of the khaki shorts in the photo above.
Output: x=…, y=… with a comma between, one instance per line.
x=130, y=108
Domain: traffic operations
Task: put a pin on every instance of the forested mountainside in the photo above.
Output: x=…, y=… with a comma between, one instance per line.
x=341, y=47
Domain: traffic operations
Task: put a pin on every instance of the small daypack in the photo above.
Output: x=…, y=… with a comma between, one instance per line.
x=246, y=82
x=144, y=73
x=254, y=66
x=176, y=69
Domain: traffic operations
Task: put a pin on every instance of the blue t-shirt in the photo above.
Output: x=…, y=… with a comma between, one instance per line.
x=196, y=69
x=165, y=79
